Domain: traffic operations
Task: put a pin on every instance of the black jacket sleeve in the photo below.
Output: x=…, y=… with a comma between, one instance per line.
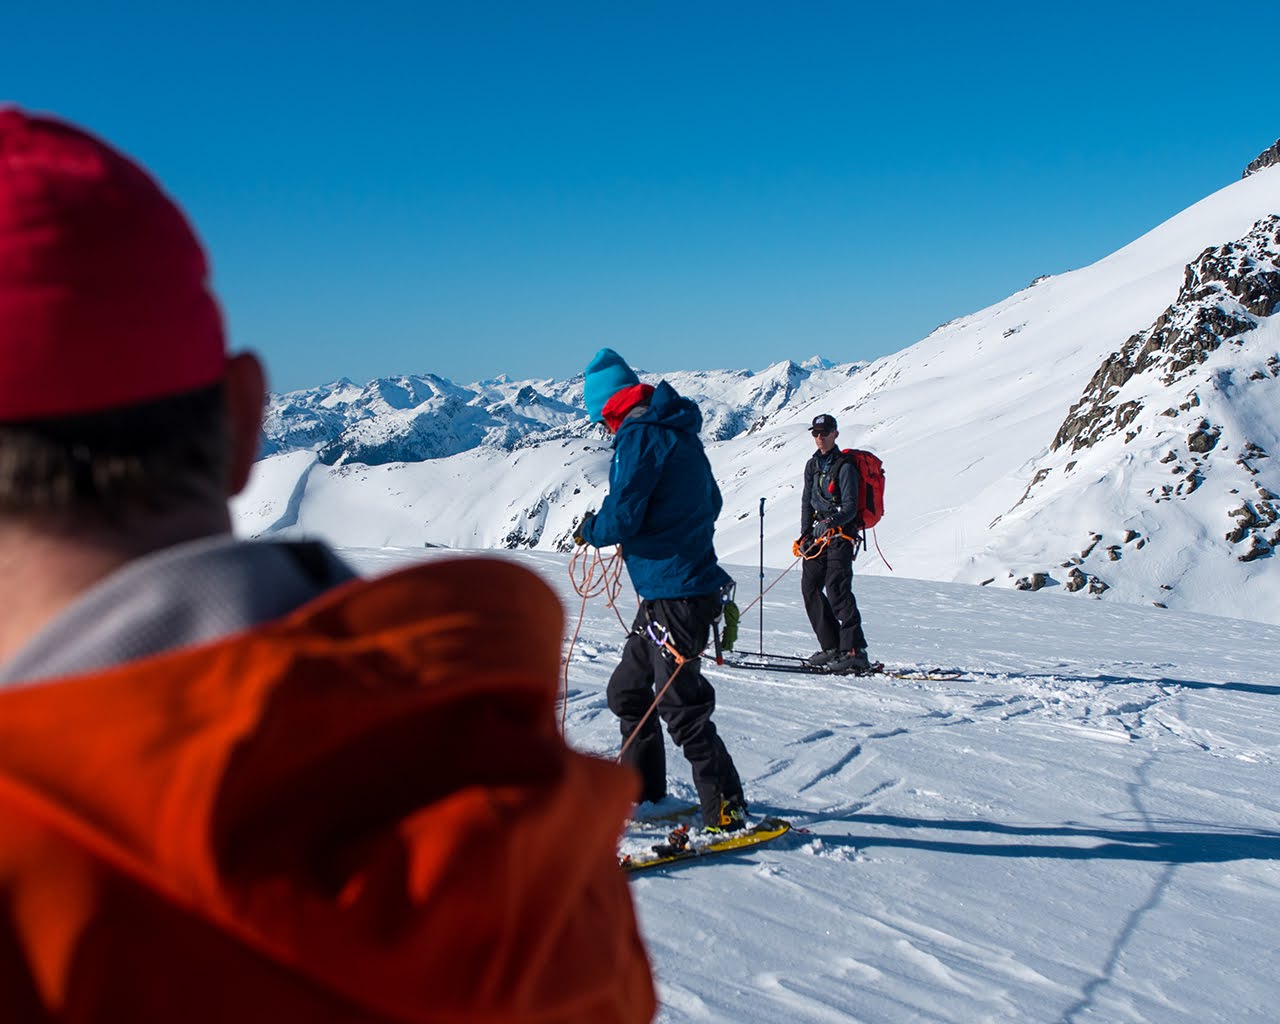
x=806, y=499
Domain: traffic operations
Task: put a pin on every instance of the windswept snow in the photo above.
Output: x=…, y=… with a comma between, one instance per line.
x=1084, y=828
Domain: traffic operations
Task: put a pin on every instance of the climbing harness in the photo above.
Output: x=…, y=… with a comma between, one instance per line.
x=819, y=544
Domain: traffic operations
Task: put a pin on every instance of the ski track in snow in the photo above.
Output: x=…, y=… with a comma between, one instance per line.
x=1086, y=827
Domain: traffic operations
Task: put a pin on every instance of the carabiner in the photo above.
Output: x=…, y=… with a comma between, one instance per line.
x=658, y=633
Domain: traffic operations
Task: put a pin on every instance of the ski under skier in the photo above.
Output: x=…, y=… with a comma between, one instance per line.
x=661, y=508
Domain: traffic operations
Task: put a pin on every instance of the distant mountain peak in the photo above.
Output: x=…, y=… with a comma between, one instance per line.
x=816, y=362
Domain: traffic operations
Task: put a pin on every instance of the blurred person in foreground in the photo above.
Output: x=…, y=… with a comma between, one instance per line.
x=236, y=782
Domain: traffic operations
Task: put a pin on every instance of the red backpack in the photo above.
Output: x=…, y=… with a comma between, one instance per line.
x=871, y=493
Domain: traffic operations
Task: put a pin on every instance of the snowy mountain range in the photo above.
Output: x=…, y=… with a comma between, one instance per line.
x=1111, y=433
x=415, y=418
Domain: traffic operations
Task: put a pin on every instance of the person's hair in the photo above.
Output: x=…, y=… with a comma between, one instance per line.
x=140, y=461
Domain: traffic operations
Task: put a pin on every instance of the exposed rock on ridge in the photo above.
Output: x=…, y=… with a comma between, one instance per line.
x=1180, y=420
x=1225, y=293
x=1266, y=158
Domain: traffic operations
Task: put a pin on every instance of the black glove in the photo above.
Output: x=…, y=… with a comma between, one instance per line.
x=820, y=528
x=581, y=528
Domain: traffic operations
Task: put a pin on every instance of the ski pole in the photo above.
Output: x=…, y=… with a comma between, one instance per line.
x=762, y=575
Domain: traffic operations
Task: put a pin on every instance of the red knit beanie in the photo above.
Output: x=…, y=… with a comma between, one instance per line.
x=103, y=284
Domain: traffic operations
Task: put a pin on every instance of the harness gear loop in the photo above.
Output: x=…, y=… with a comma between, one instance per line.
x=660, y=636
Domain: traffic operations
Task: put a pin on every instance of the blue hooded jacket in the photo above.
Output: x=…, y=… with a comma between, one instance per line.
x=663, y=502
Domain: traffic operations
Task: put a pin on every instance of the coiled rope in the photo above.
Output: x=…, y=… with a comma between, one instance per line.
x=591, y=574
x=819, y=544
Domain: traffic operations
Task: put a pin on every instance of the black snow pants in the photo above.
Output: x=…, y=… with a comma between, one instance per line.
x=686, y=708
x=833, y=615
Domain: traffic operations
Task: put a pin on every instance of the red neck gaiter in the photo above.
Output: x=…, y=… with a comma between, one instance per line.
x=615, y=410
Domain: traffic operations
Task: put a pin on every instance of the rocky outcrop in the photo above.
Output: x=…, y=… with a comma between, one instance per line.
x=1036, y=581
x=1225, y=293
x=1266, y=158
x=1177, y=422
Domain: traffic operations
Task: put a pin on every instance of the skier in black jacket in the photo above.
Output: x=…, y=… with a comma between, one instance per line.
x=829, y=505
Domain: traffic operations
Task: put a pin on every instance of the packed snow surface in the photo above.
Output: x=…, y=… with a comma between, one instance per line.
x=1084, y=827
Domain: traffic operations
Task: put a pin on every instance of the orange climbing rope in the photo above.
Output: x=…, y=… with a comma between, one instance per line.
x=820, y=544
x=591, y=574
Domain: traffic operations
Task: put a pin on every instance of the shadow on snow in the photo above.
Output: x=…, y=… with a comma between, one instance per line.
x=1174, y=846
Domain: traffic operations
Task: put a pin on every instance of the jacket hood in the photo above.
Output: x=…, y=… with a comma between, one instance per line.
x=669, y=409
x=182, y=595
x=361, y=812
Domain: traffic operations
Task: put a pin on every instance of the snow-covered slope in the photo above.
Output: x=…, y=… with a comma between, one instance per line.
x=1087, y=828
x=966, y=421
x=1166, y=459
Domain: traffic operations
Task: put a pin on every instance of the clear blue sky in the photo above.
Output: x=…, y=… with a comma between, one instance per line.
x=479, y=188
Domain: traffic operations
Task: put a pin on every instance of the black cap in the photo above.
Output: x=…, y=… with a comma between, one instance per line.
x=824, y=423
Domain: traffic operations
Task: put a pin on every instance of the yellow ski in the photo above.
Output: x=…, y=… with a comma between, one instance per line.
x=685, y=845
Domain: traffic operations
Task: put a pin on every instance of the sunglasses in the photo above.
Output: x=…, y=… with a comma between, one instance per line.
x=820, y=433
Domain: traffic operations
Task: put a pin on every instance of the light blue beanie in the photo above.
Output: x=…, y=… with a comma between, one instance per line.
x=606, y=375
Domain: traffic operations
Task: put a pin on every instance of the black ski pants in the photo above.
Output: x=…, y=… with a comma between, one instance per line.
x=686, y=707
x=834, y=615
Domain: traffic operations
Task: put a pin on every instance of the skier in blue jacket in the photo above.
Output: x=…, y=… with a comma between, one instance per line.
x=661, y=508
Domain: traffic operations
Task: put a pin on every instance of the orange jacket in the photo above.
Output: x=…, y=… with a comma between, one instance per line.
x=360, y=812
